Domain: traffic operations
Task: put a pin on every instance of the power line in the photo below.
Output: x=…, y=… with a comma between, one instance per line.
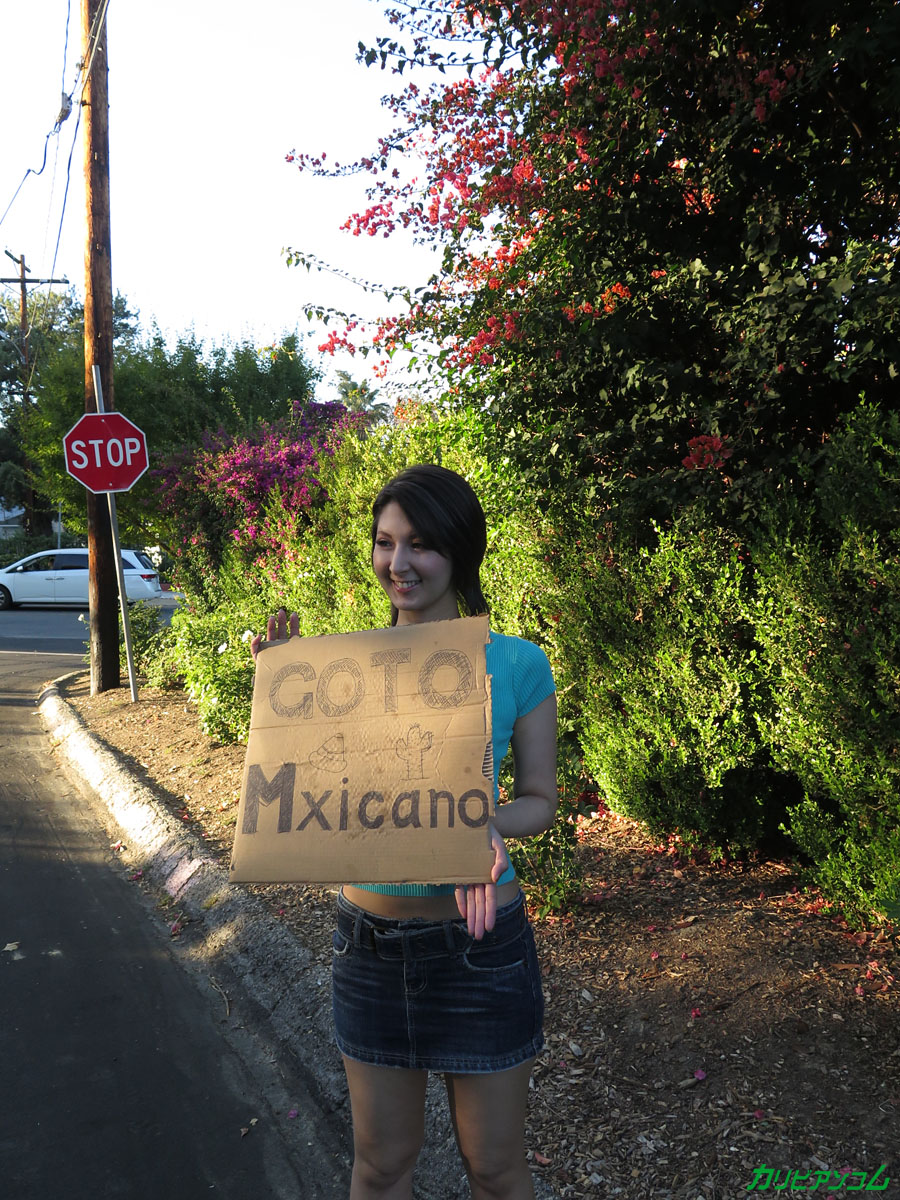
x=93, y=40
x=82, y=76
x=66, y=47
x=65, y=110
x=59, y=229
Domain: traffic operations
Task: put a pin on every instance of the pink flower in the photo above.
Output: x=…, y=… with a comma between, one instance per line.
x=700, y=1074
x=695, y=1013
x=654, y=955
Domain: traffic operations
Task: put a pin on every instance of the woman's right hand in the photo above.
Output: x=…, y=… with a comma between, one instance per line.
x=278, y=628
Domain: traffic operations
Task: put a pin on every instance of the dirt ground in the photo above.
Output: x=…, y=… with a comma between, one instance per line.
x=701, y=1021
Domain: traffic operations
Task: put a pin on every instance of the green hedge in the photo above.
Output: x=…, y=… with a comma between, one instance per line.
x=826, y=610
x=656, y=645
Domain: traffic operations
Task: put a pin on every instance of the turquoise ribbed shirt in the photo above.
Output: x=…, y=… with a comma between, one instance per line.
x=520, y=679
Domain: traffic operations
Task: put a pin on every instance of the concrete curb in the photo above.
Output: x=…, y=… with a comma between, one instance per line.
x=229, y=925
x=287, y=983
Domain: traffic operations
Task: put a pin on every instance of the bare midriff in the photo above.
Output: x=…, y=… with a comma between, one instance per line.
x=428, y=908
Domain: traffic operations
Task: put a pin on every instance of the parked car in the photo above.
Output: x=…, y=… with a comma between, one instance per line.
x=61, y=577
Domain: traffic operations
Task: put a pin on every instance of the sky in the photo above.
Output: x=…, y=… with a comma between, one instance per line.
x=207, y=97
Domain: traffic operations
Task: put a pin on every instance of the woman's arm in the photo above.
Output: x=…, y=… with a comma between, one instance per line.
x=532, y=811
x=535, y=789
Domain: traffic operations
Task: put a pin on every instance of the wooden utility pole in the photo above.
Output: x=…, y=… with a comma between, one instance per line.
x=98, y=338
x=28, y=521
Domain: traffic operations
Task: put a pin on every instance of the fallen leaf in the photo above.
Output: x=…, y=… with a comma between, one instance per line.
x=11, y=946
x=541, y=1159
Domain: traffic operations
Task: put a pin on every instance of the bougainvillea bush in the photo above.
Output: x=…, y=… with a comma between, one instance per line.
x=217, y=498
x=669, y=233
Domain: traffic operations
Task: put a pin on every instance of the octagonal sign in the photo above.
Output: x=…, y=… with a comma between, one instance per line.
x=106, y=452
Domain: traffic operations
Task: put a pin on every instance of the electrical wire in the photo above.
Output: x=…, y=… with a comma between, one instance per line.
x=24, y=177
x=64, y=112
x=93, y=41
x=36, y=321
x=38, y=318
x=62, y=84
x=82, y=76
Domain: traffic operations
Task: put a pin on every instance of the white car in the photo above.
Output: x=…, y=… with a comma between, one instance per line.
x=61, y=577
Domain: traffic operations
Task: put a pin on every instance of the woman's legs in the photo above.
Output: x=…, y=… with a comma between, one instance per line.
x=388, y=1106
x=488, y=1114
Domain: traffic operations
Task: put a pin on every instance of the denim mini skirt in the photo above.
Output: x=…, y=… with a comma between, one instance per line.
x=426, y=996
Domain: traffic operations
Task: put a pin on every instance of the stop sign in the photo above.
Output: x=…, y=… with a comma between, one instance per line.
x=106, y=452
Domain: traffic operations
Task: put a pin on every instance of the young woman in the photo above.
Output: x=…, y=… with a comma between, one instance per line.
x=432, y=978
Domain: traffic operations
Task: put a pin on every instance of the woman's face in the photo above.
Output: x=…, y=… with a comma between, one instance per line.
x=417, y=579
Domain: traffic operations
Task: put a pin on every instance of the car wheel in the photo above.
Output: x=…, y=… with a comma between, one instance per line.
x=6, y=600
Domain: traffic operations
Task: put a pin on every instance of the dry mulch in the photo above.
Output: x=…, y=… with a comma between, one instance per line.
x=701, y=1021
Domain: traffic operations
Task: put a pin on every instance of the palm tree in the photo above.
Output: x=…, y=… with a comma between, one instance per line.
x=360, y=398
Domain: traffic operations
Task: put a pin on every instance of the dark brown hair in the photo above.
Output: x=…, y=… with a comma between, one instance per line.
x=447, y=515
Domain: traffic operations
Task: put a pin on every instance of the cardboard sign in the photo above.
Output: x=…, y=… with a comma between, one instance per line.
x=368, y=759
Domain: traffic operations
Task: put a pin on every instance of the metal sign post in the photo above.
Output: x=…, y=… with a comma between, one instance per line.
x=117, y=554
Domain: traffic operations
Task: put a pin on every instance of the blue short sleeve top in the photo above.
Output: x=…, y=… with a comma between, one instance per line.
x=520, y=680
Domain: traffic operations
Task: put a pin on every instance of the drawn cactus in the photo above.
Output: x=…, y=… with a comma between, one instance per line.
x=412, y=751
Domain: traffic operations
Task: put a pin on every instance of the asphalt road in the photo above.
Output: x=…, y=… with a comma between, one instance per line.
x=123, y=1075
x=54, y=629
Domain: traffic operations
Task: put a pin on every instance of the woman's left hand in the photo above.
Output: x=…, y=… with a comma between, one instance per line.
x=477, y=902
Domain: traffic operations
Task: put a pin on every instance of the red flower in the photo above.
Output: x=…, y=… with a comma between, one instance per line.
x=707, y=450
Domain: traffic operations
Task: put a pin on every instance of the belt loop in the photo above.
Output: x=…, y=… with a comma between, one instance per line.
x=357, y=927
x=448, y=935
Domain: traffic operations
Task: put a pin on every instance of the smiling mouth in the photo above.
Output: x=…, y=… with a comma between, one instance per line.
x=405, y=585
